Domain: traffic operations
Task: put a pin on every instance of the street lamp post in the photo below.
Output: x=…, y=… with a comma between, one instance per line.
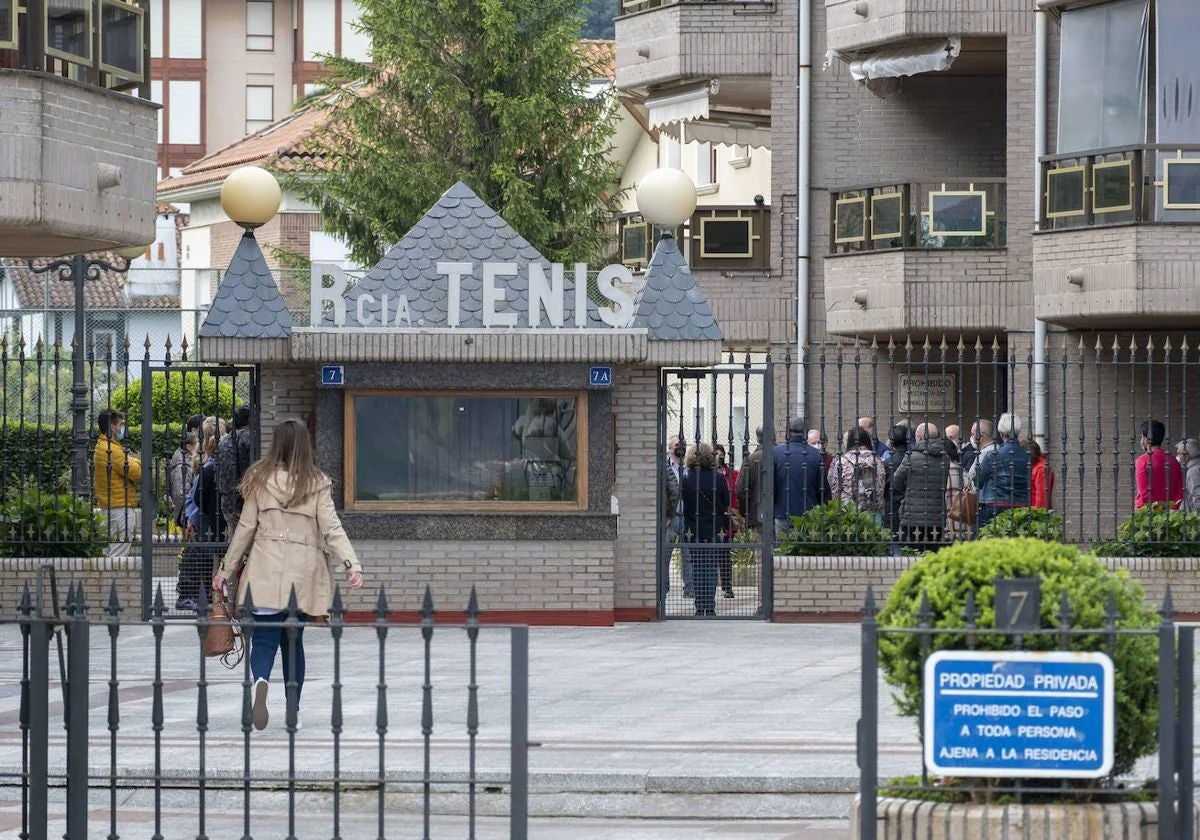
x=78, y=269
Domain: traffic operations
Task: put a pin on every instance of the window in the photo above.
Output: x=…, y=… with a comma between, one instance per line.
x=476, y=450
x=850, y=220
x=958, y=213
x=634, y=243
x=355, y=44
x=727, y=237
x=156, y=28
x=1065, y=190
x=887, y=216
x=260, y=25
x=260, y=107
x=183, y=117
x=121, y=39
x=706, y=165
x=320, y=29
x=8, y=24
x=69, y=30
x=1181, y=184
x=186, y=38
x=156, y=96
x=740, y=157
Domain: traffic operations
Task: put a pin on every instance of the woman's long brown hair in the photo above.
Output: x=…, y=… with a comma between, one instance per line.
x=291, y=452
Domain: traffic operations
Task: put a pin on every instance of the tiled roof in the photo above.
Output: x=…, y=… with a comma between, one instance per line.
x=107, y=291
x=605, y=54
x=670, y=304
x=247, y=303
x=460, y=227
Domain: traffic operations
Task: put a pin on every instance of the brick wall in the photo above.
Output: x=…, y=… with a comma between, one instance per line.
x=809, y=587
x=635, y=414
x=97, y=574
x=288, y=391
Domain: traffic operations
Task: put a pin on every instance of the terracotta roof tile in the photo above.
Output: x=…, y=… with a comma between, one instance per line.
x=107, y=291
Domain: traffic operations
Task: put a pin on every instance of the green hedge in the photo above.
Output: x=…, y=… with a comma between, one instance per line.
x=176, y=397
x=40, y=457
x=1154, y=531
x=835, y=529
x=947, y=576
x=38, y=524
x=1039, y=523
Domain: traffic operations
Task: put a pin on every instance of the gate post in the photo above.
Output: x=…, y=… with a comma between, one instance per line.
x=39, y=725
x=77, y=715
x=1186, y=731
x=662, y=557
x=148, y=500
x=868, y=724
x=518, y=813
x=1166, y=722
x=766, y=502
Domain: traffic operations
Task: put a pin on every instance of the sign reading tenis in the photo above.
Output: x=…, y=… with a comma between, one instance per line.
x=547, y=296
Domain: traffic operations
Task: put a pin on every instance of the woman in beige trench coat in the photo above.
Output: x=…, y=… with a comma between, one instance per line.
x=288, y=532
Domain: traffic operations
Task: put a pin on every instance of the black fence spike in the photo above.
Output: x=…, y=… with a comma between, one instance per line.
x=160, y=607
x=69, y=602
x=473, y=605
x=381, y=606
x=925, y=614
x=293, y=605
x=80, y=600
x=1168, y=607
x=114, y=607
x=971, y=613
x=248, y=601
x=869, y=607
x=202, y=605
x=1110, y=610
x=427, y=605
x=336, y=609
x=25, y=607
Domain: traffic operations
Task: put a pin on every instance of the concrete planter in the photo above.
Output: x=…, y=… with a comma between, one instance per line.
x=912, y=820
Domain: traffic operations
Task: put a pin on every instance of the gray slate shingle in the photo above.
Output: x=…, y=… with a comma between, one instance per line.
x=460, y=227
x=670, y=304
x=247, y=303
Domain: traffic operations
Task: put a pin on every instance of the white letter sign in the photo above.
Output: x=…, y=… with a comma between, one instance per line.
x=494, y=295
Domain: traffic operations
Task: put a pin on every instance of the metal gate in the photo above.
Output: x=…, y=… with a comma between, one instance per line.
x=716, y=534
x=175, y=558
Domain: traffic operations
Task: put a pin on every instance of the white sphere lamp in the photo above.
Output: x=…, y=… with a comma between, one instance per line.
x=666, y=197
x=251, y=196
x=132, y=252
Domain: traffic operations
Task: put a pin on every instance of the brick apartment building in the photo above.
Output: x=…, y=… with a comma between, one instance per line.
x=223, y=69
x=1029, y=129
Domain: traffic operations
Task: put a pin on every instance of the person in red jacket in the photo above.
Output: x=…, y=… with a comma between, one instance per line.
x=1041, y=477
x=1159, y=477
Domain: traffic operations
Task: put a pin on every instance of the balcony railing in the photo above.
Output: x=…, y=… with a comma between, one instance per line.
x=628, y=7
x=728, y=237
x=102, y=43
x=925, y=215
x=1118, y=186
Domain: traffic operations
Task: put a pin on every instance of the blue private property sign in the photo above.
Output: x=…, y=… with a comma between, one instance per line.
x=1019, y=714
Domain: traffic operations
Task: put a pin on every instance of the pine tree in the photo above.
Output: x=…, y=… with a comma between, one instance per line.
x=497, y=93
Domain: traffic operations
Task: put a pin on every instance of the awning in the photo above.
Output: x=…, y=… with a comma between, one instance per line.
x=729, y=132
x=907, y=60
x=678, y=107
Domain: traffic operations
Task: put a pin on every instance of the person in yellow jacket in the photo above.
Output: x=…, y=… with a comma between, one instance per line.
x=116, y=477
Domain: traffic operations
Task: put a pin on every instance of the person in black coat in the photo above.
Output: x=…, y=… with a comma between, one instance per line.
x=706, y=504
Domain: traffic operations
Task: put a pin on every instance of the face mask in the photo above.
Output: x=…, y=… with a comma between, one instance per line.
x=121, y=433
x=720, y=460
x=680, y=451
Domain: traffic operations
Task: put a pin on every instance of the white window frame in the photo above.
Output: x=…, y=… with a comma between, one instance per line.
x=260, y=41
x=258, y=123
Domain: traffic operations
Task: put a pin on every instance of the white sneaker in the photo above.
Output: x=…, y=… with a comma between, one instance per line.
x=260, y=714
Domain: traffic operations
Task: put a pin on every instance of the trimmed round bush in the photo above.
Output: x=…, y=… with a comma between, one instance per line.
x=948, y=575
x=176, y=397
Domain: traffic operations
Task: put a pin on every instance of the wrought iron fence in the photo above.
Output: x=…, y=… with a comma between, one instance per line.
x=204, y=744
x=1175, y=782
x=1104, y=398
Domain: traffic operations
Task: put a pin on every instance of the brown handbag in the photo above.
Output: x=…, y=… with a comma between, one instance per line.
x=964, y=506
x=220, y=638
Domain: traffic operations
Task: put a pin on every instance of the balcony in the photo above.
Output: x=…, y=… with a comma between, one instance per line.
x=661, y=42
x=863, y=24
x=78, y=138
x=1118, y=235
x=925, y=257
x=720, y=238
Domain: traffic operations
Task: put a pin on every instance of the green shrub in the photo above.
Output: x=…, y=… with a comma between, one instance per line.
x=38, y=524
x=41, y=455
x=836, y=528
x=1039, y=523
x=176, y=397
x=948, y=575
x=1155, y=531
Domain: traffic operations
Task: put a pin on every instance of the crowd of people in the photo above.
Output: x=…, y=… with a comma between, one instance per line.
x=203, y=475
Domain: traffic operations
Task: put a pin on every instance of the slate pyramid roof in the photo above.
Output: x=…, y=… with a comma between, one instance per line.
x=248, y=303
x=670, y=305
x=460, y=227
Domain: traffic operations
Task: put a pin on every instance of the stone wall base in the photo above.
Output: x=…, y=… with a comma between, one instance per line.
x=912, y=820
x=833, y=588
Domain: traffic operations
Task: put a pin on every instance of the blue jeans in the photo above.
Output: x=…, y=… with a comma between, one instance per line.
x=269, y=637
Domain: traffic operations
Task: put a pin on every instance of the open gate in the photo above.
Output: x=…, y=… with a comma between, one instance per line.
x=172, y=559
x=715, y=548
